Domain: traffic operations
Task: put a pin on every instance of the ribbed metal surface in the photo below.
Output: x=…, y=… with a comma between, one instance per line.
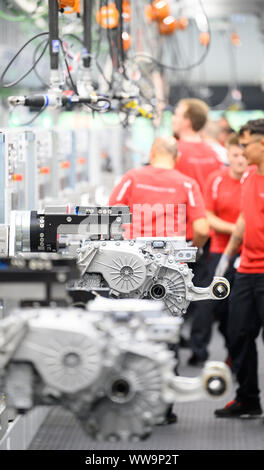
x=197, y=428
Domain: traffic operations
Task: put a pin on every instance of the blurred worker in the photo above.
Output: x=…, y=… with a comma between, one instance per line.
x=154, y=192
x=246, y=316
x=225, y=130
x=196, y=158
x=210, y=134
x=222, y=199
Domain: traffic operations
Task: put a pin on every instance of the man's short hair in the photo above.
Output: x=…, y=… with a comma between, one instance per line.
x=166, y=144
x=197, y=111
x=254, y=126
x=233, y=139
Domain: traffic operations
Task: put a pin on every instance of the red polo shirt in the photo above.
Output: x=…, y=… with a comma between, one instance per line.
x=252, y=207
x=160, y=191
x=197, y=160
x=223, y=198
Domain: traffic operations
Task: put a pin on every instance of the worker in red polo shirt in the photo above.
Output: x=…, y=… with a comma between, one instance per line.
x=222, y=199
x=246, y=317
x=154, y=193
x=196, y=159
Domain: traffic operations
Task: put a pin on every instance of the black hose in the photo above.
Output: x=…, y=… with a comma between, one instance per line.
x=14, y=58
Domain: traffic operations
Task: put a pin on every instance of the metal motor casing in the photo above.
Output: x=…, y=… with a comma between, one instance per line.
x=107, y=365
x=146, y=268
x=143, y=268
x=78, y=359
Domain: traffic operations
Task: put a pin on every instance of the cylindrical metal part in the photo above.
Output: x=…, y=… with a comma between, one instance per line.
x=216, y=386
x=27, y=232
x=87, y=31
x=38, y=101
x=35, y=231
x=158, y=291
x=120, y=38
x=19, y=231
x=221, y=289
x=54, y=43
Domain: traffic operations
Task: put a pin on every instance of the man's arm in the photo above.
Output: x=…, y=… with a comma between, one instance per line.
x=236, y=237
x=196, y=214
x=232, y=247
x=219, y=225
x=200, y=232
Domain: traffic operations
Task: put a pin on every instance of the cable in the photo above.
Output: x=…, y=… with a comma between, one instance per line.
x=33, y=119
x=170, y=67
x=103, y=75
x=188, y=67
x=45, y=84
x=99, y=28
x=35, y=63
x=14, y=58
x=74, y=87
x=91, y=56
x=110, y=44
x=146, y=27
x=100, y=69
x=74, y=36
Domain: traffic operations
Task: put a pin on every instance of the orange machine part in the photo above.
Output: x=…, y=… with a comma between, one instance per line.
x=81, y=160
x=150, y=14
x=126, y=40
x=44, y=170
x=18, y=177
x=235, y=39
x=183, y=22
x=66, y=164
x=204, y=39
x=126, y=11
x=161, y=9
x=108, y=16
x=73, y=4
x=168, y=25
x=66, y=3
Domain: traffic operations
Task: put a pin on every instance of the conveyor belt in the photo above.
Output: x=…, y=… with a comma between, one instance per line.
x=197, y=428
